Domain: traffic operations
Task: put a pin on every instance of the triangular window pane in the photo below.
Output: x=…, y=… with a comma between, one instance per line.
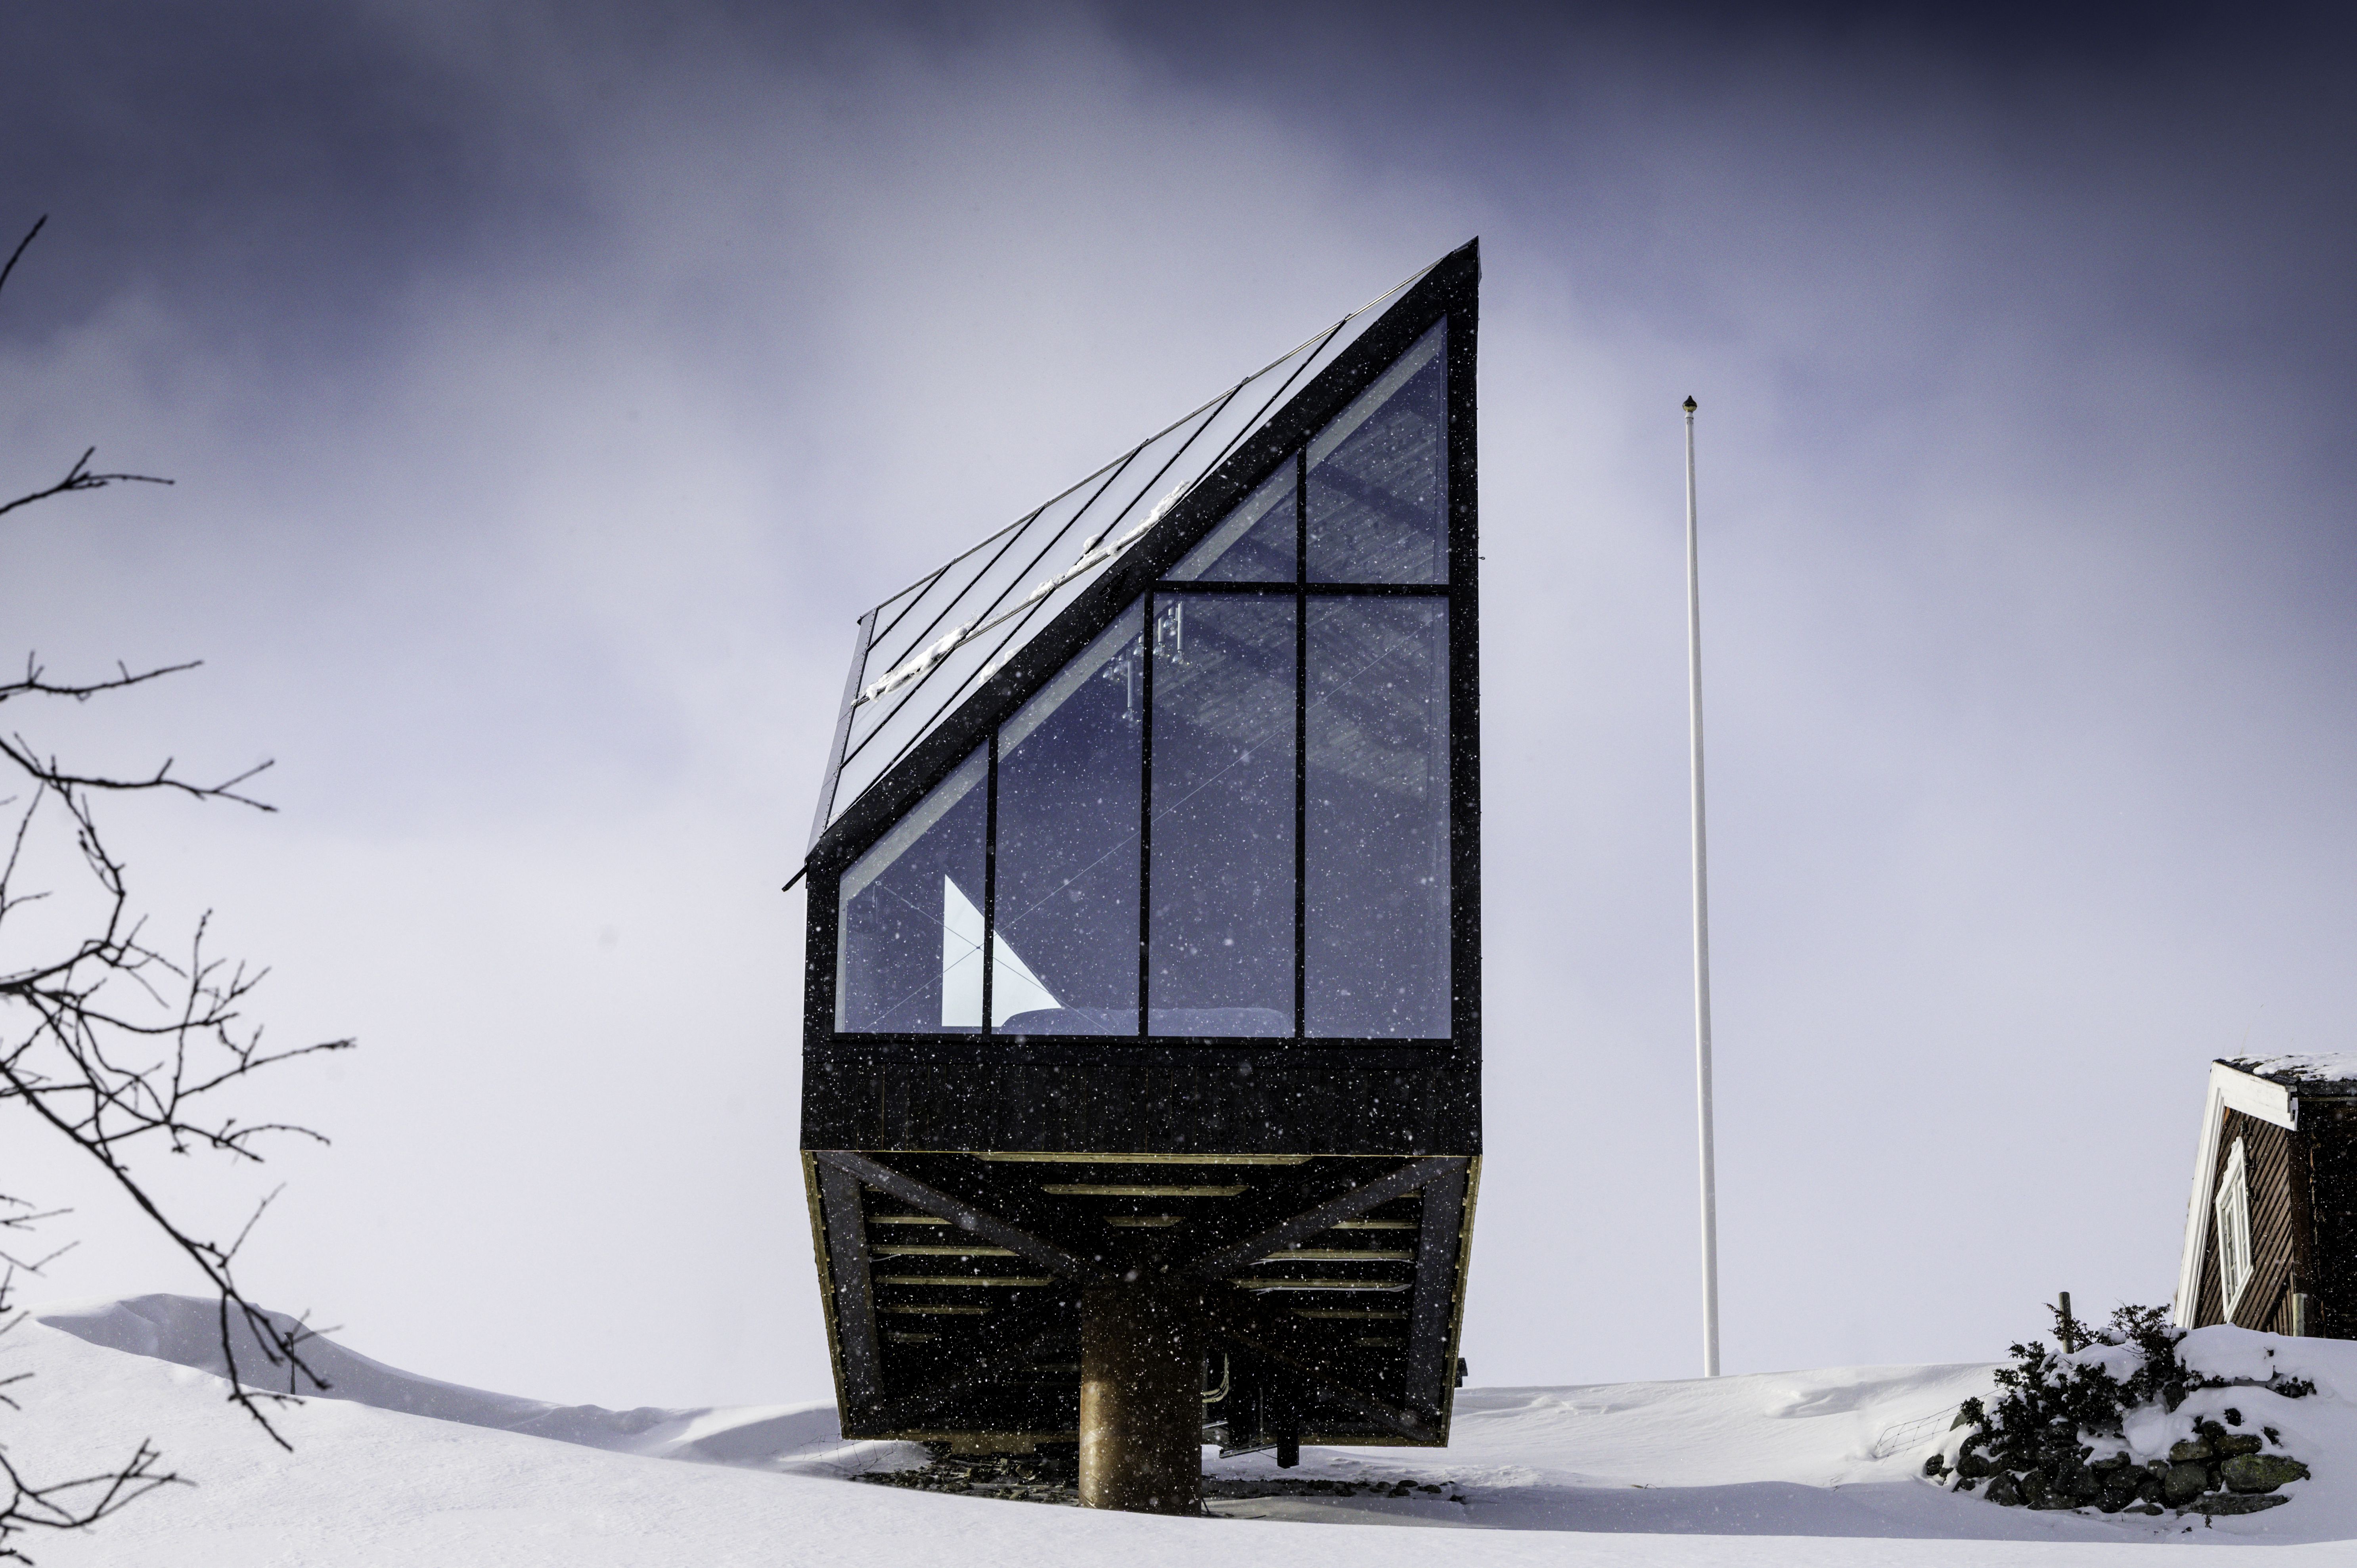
x=1257, y=542
x=1379, y=477
x=901, y=966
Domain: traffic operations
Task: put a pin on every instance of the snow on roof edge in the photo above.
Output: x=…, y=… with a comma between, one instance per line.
x=2330, y=1072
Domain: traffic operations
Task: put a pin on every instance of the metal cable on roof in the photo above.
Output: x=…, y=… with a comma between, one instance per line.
x=1094, y=552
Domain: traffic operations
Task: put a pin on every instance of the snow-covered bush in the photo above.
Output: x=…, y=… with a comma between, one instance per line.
x=2099, y=1425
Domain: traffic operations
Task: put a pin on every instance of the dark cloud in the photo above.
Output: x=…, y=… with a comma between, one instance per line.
x=1513, y=39
x=278, y=170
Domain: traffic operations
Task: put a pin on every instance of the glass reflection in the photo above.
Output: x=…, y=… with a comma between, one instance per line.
x=1376, y=910
x=1064, y=960
x=1379, y=478
x=1257, y=542
x=910, y=943
x=1221, y=937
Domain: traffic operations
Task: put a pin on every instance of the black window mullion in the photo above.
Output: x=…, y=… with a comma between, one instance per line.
x=1245, y=590
x=989, y=879
x=1379, y=590
x=1300, y=745
x=1315, y=590
x=1146, y=651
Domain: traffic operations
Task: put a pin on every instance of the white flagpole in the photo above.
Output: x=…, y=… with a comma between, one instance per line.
x=1701, y=928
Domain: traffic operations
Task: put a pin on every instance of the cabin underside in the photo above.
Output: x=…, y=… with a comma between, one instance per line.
x=1322, y=1293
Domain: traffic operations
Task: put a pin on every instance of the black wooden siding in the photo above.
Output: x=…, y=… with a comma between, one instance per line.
x=1147, y=1100
x=2267, y=1153
x=2329, y=1132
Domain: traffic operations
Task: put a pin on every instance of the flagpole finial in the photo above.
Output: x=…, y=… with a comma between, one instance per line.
x=1691, y=405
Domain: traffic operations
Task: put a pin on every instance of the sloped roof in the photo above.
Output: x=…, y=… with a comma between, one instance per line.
x=2331, y=1073
x=923, y=652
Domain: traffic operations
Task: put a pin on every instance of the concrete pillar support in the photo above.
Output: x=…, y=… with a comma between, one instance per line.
x=1141, y=1403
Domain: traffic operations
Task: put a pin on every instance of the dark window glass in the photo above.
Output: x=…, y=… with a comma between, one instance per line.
x=1379, y=478
x=1377, y=905
x=1065, y=959
x=1221, y=939
x=1257, y=542
x=910, y=948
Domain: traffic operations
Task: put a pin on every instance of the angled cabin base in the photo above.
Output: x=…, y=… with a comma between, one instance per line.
x=2271, y=1234
x=1322, y=1295
x=1142, y=1022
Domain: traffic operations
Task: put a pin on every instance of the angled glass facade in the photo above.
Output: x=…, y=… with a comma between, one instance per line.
x=931, y=646
x=1379, y=478
x=1144, y=923
x=1228, y=817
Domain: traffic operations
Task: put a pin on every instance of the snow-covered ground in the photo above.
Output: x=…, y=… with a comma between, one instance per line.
x=1802, y=1467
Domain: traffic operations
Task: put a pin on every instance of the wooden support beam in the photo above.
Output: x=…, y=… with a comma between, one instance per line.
x=855, y=1295
x=967, y=1216
x=1350, y=1205
x=1440, y=1244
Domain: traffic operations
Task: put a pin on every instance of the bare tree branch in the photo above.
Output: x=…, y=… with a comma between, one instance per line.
x=49, y=771
x=80, y=477
x=36, y=683
x=116, y=1047
x=37, y=224
x=79, y=1501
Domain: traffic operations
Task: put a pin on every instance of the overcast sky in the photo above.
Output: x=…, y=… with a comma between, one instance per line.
x=549, y=387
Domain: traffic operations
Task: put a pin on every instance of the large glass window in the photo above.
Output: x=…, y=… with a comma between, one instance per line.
x=1376, y=901
x=908, y=940
x=1220, y=940
x=1379, y=477
x=1257, y=542
x=1064, y=955
x=1228, y=816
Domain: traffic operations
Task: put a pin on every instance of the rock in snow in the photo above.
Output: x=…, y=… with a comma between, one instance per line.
x=1772, y=1469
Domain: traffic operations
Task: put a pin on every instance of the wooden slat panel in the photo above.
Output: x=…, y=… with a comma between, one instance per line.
x=1345, y=1206
x=2266, y=1155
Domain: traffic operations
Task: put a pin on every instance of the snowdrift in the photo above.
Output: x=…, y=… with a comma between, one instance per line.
x=1815, y=1467
x=186, y=1332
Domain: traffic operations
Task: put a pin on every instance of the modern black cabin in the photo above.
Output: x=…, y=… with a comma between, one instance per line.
x=1143, y=936
x=2271, y=1235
